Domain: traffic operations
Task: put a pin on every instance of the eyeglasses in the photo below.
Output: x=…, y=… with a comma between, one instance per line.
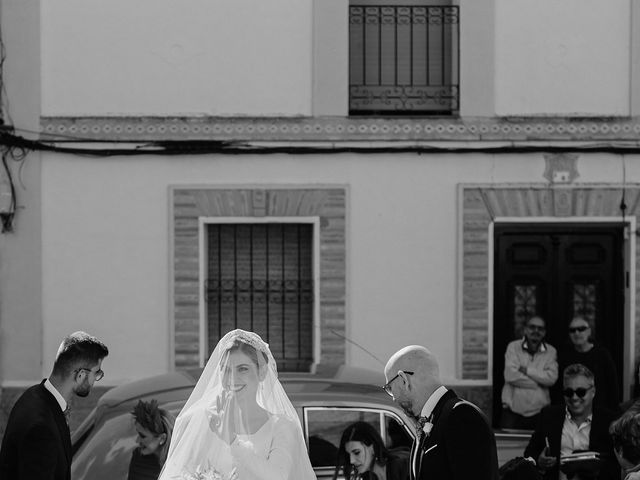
x=540, y=328
x=387, y=386
x=99, y=374
x=580, y=392
x=578, y=329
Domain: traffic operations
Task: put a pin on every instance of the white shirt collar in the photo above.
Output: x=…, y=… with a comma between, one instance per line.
x=568, y=416
x=432, y=401
x=542, y=348
x=61, y=401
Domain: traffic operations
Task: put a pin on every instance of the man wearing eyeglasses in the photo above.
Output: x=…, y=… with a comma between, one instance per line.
x=574, y=426
x=37, y=442
x=530, y=369
x=454, y=440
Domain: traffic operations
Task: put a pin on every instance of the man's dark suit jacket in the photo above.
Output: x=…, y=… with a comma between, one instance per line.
x=460, y=447
x=36, y=443
x=550, y=426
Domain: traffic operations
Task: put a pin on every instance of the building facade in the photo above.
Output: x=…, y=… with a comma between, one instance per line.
x=344, y=176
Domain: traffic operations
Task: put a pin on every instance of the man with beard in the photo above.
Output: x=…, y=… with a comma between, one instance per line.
x=530, y=369
x=37, y=443
x=454, y=440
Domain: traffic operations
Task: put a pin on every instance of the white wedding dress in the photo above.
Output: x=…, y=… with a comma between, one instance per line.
x=274, y=451
x=269, y=453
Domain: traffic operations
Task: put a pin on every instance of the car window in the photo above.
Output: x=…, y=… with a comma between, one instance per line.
x=324, y=427
x=396, y=434
x=107, y=453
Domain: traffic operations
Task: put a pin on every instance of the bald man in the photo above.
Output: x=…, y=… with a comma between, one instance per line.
x=455, y=441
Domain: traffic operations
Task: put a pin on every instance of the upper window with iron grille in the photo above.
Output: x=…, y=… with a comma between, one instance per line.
x=403, y=57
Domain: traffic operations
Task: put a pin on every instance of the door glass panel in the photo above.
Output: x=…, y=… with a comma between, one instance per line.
x=524, y=306
x=585, y=302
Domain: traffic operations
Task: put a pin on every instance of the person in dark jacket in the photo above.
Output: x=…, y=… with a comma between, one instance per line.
x=153, y=426
x=573, y=427
x=37, y=443
x=582, y=349
x=454, y=439
x=362, y=455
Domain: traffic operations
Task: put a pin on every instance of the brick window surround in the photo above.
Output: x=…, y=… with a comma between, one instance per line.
x=480, y=205
x=189, y=204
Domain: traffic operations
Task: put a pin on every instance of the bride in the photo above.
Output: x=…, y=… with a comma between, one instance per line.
x=238, y=423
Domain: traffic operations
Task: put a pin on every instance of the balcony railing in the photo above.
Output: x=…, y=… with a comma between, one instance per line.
x=403, y=60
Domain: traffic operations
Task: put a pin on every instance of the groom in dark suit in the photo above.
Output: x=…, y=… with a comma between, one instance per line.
x=36, y=443
x=455, y=441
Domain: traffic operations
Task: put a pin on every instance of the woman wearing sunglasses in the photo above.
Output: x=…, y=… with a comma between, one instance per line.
x=581, y=349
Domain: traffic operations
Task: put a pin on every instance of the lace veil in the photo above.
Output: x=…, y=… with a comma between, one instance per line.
x=198, y=445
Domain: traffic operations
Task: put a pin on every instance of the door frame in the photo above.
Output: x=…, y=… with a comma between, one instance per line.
x=629, y=261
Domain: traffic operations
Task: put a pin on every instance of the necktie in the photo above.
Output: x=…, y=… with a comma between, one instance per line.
x=67, y=414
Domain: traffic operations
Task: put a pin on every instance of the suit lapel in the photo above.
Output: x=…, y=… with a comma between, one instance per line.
x=429, y=442
x=555, y=432
x=59, y=419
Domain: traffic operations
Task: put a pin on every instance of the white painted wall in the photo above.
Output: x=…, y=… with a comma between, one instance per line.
x=170, y=57
x=569, y=57
x=401, y=233
x=20, y=306
x=248, y=57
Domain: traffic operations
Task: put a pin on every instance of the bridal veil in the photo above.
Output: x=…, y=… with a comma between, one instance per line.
x=212, y=440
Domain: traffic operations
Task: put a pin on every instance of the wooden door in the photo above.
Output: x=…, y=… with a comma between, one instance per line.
x=557, y=272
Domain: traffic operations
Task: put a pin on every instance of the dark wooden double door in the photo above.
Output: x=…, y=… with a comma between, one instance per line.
x=557, y=272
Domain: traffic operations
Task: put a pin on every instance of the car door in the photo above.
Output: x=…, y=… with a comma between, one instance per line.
x=323, y=426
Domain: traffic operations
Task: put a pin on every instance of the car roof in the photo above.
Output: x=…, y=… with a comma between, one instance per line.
x=172, y=386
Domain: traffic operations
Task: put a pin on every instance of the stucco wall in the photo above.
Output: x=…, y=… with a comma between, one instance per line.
x=20, y=288
x=567, y=58
x=195, y=57
x=289, y=57
x=402, y=256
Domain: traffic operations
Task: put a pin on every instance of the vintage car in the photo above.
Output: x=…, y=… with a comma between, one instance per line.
x=326, y=404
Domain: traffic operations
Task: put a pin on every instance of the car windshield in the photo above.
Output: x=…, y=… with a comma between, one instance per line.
x=107, y=453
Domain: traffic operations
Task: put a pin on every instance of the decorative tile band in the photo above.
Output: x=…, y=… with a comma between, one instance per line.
x=339, y=129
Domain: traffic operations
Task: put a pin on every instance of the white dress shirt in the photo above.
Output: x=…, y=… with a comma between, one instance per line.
x=574, y=436
x=61, y=401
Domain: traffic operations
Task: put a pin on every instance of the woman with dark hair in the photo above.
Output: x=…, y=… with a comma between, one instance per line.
x=581, y=349
x=362, y=455
x=153, y=426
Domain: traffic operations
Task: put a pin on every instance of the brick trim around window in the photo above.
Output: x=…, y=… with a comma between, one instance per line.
x=326, y=203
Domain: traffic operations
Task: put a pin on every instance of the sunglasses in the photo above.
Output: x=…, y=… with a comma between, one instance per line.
x=580, y=392
x=578, y=329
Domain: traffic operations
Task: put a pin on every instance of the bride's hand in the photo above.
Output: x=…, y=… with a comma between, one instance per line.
x=222, y=417
x=214, y=414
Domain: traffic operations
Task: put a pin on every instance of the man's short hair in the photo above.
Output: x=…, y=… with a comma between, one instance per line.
x=536, y=317
x=577, y=370
x=78, y=349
